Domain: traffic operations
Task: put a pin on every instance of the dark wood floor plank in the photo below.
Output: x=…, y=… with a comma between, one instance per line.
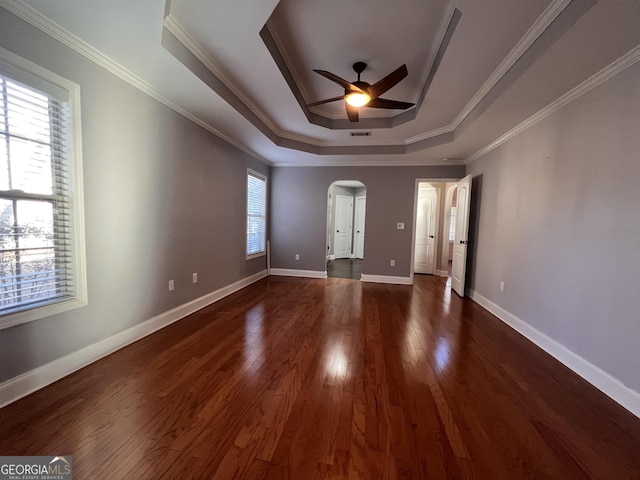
x=329, y=379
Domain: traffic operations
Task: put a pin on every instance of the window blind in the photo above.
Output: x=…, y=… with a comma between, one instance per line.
x=256, y=213
x=36, y=246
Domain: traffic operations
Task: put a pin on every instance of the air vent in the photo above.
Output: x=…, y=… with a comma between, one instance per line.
x=360, y=134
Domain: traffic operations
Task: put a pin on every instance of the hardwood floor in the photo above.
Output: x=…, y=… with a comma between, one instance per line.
x=303, y=379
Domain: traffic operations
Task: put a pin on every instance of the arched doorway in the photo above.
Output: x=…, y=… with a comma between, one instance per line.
x=346, y=214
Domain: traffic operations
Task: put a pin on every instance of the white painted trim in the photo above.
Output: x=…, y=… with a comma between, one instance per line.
x=332, y=257
x=542, y=22
x=178, y=31
x=29, y=72
x=22, y=385
x=599, y=78
x=368, y=161
x=387, y=279
x=288, y=272
x=607, y=383
x=442, y=273
x=65, y=37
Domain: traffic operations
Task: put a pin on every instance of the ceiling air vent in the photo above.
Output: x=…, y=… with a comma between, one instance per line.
x=360, y=134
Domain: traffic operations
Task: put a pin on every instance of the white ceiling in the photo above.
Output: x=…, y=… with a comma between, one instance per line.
x=504, y=61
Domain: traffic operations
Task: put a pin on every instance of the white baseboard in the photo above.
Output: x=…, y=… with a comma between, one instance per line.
x=332, y=257
x=607, y=383
x=287, y=272
x=386, y=279
x=28, y=382
x=442, y=273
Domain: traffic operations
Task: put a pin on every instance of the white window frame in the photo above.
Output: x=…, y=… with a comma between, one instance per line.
x=264, y=178
x=35, y=76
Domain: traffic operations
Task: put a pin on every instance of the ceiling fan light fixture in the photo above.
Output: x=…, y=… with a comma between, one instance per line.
x=357, y=99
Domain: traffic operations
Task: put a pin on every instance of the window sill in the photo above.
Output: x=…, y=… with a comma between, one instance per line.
x=35, y=313
x=255, y=255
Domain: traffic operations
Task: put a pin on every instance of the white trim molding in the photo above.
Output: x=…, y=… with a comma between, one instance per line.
x=387, y=279
x=585, y=87
x=51, y=28
x=288, y=272
x=22, y=385
x=37, y=77
x=552, y=11
x=442, y=273
x=603, y=381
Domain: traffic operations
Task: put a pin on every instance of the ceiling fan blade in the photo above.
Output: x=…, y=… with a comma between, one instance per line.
x=320, y=102
x=352, y=112
x=390, y=104
x=388, y=82
x=340, y=81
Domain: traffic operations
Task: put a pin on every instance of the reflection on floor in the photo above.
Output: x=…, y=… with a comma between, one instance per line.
x=345, y=268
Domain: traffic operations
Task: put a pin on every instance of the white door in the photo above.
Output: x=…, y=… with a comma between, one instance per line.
x=461, y=241
x=426, y=224
x=358, y=236
x=344, y=227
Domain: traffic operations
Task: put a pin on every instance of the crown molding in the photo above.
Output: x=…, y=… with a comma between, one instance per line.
x=366, y=161
x=585, y=87
x=51, y=28
x=290, y=64
x=358, y=142
x=57, y=32
x=544, y=20
x=184, y=37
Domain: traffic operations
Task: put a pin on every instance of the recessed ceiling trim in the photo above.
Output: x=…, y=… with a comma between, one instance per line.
x=445, y=39
x=548, y=19
x=607, y=73
x=566, y=18
x=174, y=27
x=369, y=162
x=292, y=78
x=51, y=28
x=540, y=25
x=54, y=30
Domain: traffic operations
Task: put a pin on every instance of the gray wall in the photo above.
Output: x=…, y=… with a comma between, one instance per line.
x=299, y=214
x=558, y=220
x=163, y=199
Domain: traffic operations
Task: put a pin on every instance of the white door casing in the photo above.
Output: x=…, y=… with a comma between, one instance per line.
x=461, y=242
x=358, y=236
x=343, y=226
x=426, y=226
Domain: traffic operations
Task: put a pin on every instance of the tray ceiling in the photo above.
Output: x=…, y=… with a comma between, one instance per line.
x=244, y=69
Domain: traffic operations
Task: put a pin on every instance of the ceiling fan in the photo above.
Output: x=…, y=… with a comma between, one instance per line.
x=360, y=94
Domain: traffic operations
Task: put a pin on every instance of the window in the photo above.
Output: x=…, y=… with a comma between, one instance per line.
x=256, y=213
x=41, y=259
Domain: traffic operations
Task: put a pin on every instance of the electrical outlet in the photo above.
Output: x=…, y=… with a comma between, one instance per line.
x=171, y=285
x=195, y=278
x=392, y=263
x=297, y=256
x=502, y=286
x=400, y=225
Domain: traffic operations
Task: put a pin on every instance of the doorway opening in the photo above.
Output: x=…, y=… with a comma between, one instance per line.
x=346, y=212
x=441, y=229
